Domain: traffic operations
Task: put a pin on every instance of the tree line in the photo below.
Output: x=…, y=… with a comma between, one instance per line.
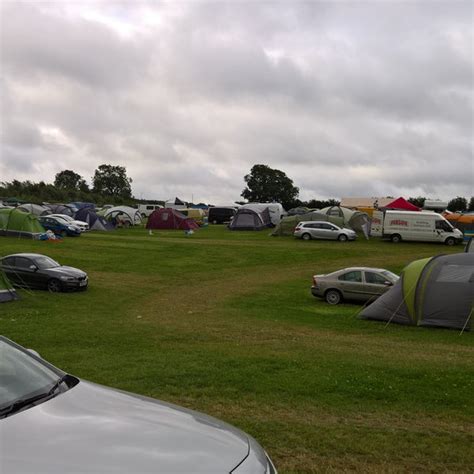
x=110, y=184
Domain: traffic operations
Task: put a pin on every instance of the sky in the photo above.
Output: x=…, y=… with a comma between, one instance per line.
x=355, y=98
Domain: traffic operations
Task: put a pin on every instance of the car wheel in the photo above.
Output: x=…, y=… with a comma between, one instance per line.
x=450, y=241
x=342, y=238
x=306, y=236
x=395, y=238
x=333, y=297
x=143, y=215
x=54, y=285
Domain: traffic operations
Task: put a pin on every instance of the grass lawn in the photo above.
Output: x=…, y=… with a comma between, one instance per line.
x=224, y=323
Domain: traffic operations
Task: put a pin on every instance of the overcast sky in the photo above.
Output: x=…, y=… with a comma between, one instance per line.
x=347, y=98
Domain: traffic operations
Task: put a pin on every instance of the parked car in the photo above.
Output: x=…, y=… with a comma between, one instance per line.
x=36, y=271
x=83, y=226
x=55, y=423
x=358, y=283
x=59, y=226
x=308, y=230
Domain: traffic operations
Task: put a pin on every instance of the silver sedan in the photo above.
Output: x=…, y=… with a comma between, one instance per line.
x=54, y=423
x=308, y=230
x=357, y=283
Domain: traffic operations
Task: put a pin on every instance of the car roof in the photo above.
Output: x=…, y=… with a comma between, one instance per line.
x=352, y=269
x=317, y=222
x=27, y=255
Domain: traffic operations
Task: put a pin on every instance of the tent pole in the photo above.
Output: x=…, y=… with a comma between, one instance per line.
x=468, y=318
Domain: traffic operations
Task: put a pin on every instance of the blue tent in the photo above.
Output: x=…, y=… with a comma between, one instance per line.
x=95, y=222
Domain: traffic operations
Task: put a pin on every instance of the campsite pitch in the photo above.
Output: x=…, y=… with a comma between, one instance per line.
x=224, y=322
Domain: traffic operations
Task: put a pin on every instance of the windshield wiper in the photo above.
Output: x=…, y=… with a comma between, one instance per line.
x=25, y=402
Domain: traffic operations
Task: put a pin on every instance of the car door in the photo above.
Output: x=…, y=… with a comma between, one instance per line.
x=24, y=275
x=313, y=229
x=375, y=283
x=352, y=285
x=327, y=231
x=8, y=266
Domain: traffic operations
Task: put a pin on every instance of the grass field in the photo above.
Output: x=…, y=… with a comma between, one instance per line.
x=224, y=323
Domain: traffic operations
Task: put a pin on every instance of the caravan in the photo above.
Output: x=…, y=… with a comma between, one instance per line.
x=414, y=226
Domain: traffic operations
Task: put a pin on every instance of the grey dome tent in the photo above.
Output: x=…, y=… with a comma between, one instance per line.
x=248, y=219
x=437, y=291
x=35, y=209
x=65, y=209
x=7, y=292
x=95, y=222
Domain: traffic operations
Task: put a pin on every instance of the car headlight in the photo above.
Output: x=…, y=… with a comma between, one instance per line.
x=66, y=278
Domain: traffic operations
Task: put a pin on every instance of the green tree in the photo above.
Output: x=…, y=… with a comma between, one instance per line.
x=457, y=204
x=265, y=184
x=418, y=201
x=471, y=204
x=69, y=180
x=112, y=181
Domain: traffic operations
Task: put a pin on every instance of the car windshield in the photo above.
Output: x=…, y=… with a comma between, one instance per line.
x=390, y=276
x=44, y=263
x=65, y=218
x=21, y=375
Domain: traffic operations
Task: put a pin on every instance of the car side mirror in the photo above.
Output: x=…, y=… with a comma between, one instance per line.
x=33, y=268
x=32, y=351
x=388, y=283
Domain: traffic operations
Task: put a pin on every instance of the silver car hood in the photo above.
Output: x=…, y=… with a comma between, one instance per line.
x=95, y=429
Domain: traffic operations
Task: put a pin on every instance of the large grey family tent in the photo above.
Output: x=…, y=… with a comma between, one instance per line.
x=35, y=209
x=17, y=223
x=124, y=214
x=7, y=292
x=437, y=291
x=168, y=218
x=296, y=211
x=95, y=222
x=81, y=205
x=65, y=209
x=288, y=223
x=248, y=219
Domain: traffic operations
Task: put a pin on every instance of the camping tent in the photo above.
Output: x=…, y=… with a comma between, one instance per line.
x=7, y=292
x=66, y=209
x=95, y=222
x=170, y=219
x=17, y=223
x=296, y=211
x=288, y=223
x=464, y=222
x=35, y=209
x=125, y=214
x=400, y=204
x=82, y=205
x=175, y=203
x=248, y=219
x=437, y=291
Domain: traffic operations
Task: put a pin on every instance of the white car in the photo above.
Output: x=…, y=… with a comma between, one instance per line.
x=83, y=226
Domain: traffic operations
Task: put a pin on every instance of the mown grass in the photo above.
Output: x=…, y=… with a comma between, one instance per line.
x=224, y=323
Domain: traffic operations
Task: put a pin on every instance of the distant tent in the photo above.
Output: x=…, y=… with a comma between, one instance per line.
x=437, y=291
x=95, y=222
x=65, y=209
x=167, y=218
x=82, y=205
x=123, y=213
x=296, y=211
x=17, y=223
x=400, y=204
x=248, y=219
x=35, y=209
x=288, y=223
x=7, y=292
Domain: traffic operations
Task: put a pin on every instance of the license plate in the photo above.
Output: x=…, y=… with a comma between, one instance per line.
x=83, y=283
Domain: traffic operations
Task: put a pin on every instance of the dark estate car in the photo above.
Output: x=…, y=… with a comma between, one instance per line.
x=59, y=226
x=53, y=422
x=32, y=270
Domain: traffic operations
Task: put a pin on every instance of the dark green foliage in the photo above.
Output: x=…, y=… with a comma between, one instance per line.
x=457, y=204
x=110, y=180
x=265, y=184
x=417, y=201
x=69, y=180
x=471, y=204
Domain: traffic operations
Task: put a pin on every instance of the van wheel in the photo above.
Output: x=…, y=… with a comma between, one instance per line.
x=450, y=241
x=54, y=285
x=333, y=297
x=395, y=238
x=306, y=236
x=143, y=216
x=342, y=238
x=214, y=221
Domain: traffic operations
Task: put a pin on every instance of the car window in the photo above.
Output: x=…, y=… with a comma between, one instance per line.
x=352, y=276
x=375, y=278
x=327, y=226
x=9, y=262
x=22, y=262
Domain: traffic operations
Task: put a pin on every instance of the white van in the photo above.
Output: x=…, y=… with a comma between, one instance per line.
x=275, y=208
x=146, y=209
x=423, y=226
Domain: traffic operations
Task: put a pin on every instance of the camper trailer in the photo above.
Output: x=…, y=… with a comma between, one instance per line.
x=275, y=208
x=414, y=226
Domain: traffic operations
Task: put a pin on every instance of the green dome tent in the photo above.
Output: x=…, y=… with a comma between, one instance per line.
x=288, y=223
x=7, y=292
x=17, y=223
x=437, y=291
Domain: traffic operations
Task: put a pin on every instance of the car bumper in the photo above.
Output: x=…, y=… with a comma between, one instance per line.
x=317, y=291
x=75, y=285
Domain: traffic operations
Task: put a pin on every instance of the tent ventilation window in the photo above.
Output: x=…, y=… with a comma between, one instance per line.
x=456, y=273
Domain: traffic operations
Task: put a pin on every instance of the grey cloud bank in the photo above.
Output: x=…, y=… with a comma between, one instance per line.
x=358, y=98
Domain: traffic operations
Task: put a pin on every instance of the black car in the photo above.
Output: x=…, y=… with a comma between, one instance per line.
x=32, y=270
